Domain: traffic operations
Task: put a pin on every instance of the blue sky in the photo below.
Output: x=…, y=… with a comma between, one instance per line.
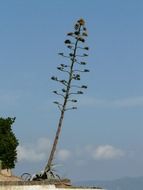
x=103, y=138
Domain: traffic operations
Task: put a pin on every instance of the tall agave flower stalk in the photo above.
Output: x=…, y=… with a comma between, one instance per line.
x=73, y=70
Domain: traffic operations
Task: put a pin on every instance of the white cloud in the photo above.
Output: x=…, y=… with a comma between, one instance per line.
x=34, y=152
x=101, y=152
x=107, y=152
x=113, y=103
x=63, y=154
x=29, y=154
x=39, y=151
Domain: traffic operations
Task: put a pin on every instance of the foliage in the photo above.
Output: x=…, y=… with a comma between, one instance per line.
x=8, y=143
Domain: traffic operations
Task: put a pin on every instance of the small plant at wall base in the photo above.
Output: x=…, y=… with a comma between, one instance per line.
x=71, y=82
x=8, y=144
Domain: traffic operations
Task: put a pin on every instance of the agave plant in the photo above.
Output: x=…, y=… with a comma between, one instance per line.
x=77, y=52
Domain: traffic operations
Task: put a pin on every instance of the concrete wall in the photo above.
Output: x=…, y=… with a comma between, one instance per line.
x=27, y=187
x=40, y=187
x=23, y=185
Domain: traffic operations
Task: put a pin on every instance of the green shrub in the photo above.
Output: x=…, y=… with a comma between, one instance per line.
x=8, y=143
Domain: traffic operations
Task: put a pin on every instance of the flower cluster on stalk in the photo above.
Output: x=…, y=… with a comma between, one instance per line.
x=74, y=68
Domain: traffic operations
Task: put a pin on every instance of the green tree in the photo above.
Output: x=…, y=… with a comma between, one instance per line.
x=70, y=84
x=8, y=143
